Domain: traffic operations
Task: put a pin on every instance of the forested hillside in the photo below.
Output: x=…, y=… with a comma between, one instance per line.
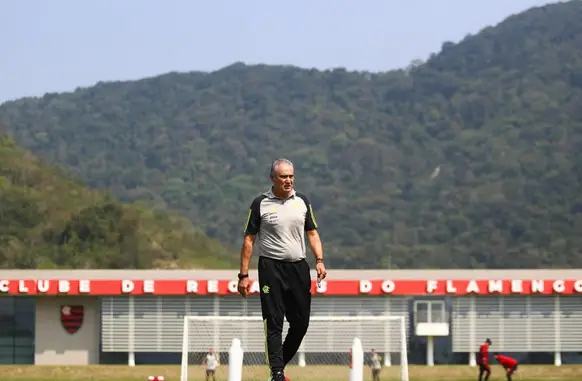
x=48, y=220
x=472, y=159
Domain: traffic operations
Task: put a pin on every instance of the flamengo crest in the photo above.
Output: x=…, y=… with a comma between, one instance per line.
x=72, y=317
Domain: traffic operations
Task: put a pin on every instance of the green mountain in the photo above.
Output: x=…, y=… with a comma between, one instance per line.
x=48, y=220
x=471, y=159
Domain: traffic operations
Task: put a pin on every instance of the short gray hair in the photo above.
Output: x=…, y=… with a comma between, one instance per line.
x=276, y=163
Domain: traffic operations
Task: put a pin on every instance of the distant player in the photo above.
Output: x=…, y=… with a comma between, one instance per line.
x=483, y=361
x=510, y=364
x=376, y=365
x=211, y=362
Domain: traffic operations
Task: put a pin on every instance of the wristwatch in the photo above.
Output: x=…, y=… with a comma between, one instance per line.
x=241, y=276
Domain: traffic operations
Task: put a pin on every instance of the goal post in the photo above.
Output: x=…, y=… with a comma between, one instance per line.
x=329, y=341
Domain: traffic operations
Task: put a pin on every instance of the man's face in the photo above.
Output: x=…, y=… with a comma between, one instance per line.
x=283, y=178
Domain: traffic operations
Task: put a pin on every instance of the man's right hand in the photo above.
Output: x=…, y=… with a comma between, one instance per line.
x=244, y=287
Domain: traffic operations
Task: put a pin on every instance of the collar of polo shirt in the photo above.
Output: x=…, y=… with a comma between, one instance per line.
x=270, y=194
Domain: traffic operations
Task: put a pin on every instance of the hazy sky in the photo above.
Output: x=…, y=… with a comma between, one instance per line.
x=57, y=45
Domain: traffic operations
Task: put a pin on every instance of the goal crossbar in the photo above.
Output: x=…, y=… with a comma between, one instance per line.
x=330, y=318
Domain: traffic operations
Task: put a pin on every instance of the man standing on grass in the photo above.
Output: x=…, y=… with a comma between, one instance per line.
x=483, y=361
x=508, y=363
x=281, y=218
x=376, y=365
x=211, y=363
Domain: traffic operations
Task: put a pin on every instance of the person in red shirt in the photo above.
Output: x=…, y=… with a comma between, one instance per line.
x=510, y=364
x=483, y=361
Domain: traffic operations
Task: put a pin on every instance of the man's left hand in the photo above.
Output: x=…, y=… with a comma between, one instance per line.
x=321, y=272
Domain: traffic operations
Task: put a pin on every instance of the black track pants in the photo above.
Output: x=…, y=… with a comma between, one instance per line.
x=285, y=292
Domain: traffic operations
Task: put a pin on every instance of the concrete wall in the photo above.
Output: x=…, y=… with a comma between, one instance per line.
x=54, y=345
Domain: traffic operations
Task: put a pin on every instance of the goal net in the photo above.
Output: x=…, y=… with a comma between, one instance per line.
x=325, y=353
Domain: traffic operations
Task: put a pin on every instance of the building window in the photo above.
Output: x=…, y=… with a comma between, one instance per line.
x=17, y=323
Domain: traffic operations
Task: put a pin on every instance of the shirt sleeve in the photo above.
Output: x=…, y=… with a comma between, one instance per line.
x=253, y=223
x=310, y=222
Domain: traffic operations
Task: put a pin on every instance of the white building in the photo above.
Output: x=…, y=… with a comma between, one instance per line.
x=133, y=316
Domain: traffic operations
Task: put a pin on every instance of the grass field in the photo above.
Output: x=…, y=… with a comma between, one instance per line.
x=259, y=373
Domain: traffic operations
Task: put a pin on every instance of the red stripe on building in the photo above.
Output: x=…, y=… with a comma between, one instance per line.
x=328, y=287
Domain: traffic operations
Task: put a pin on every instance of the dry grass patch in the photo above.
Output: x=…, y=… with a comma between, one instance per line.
x=259, y=373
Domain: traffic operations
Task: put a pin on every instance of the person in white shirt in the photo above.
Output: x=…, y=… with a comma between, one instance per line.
x=211, y=362
x=376, y=365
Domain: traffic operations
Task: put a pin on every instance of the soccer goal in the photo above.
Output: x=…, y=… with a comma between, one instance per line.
x=336, y=344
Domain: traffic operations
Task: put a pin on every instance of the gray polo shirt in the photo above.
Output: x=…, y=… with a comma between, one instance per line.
x=281, y=225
